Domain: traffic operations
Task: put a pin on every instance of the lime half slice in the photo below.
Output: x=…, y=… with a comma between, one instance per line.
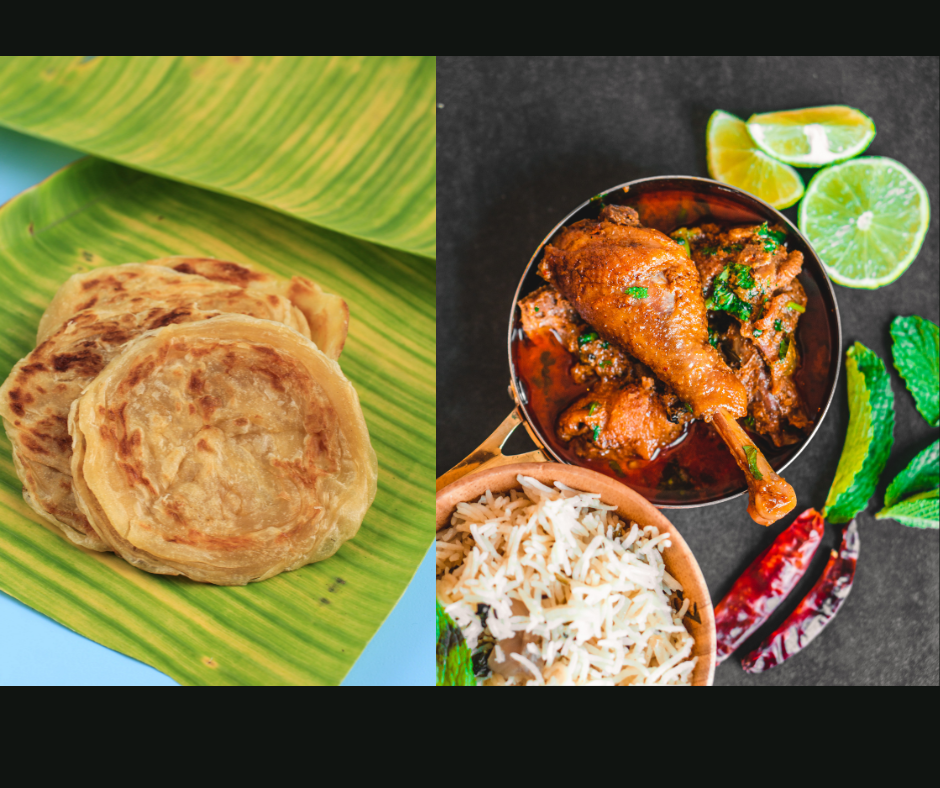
x=812, y=137
x=867, y=219
x=733, y=158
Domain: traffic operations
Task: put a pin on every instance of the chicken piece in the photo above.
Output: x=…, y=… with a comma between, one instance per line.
x=545, y=310
x=774, y=332
x=638, y=289
x=752, y=276
x=771, y=412
x=705, y=251
x=620, y=214
x=758, y=248
x=602, y=358
x=623, y=421
x=789, y=268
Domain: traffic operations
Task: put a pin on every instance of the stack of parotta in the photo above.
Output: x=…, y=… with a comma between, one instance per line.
x=189, y=415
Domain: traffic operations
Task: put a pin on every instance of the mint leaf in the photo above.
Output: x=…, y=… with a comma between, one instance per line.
x=916, y=352
x=869, y=437
x=918, y=511
x=454, y=664
x=921, y=474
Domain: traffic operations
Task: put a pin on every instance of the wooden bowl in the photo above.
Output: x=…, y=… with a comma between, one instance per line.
x=700, y=620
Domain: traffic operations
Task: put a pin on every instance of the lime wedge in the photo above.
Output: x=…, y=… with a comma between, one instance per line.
x=867, y=219
x=733, y=158
x=812, y=137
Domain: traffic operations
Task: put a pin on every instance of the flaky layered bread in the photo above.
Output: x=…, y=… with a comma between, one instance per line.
x=88, y=322
x=227, y=450
x=36, y=397
x=135, y=286
x=298, y=302
x=327, y=315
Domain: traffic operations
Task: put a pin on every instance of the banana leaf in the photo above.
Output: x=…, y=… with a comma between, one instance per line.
x=346, y=143
x=302, y=627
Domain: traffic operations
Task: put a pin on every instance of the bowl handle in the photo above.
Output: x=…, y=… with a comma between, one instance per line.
x=489, y=453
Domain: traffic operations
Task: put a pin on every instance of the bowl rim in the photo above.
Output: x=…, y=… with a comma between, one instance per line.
x=834, y=320
x=705, y=635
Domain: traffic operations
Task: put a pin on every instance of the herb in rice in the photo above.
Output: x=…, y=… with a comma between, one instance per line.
x=551, y=587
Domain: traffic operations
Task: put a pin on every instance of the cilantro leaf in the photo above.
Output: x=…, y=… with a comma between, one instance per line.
x=637, y=292
x=685, y=234
x=869, y=438
x=918, y=511
x=741, y=276
x=723, y=298
x=590, y=336
x=751, y=454
x=916, y=350
x=775, y=235
x=921, y=474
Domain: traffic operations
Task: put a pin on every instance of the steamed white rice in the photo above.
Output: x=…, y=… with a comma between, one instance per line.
x=596, y=589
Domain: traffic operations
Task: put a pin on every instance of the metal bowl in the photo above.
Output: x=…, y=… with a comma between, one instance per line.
x=666, y=203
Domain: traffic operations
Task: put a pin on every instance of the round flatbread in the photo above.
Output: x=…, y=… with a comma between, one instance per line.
x=117, y=304
x=228, y=450
x=135, y=286
x=327, y=315
x=299, y=303
x=36, y=397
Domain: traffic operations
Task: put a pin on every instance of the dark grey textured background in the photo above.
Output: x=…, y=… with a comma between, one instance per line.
x=522, y=141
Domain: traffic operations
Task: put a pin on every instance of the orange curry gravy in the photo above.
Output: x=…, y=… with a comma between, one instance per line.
x=699, y=460
x=696, y=468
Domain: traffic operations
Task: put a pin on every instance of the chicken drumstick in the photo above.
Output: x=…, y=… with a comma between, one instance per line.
x=637, y=287
x=770, y=496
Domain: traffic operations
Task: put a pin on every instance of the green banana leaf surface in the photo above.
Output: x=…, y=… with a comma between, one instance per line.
x=346, y=143
x=302, y=627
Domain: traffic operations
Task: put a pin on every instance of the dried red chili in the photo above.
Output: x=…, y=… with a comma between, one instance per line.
x=816, y=610
x=766, y=582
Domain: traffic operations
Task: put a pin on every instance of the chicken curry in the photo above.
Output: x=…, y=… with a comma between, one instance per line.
x=662, y=342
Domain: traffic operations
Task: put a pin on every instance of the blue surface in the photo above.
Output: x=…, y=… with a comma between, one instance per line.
x=36, y=650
